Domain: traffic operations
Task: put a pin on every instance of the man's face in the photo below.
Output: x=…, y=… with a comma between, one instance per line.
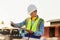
x=34, y=13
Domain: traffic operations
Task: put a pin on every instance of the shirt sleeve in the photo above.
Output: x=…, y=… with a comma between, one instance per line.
x=41, y=32
x=21, y=24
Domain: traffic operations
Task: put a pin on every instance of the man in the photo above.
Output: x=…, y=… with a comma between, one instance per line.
x=34, y=25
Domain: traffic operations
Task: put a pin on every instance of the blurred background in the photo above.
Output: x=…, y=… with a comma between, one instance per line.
x=16, y=11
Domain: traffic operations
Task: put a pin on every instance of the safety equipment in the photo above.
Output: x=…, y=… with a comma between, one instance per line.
x=31, y=8
x=33, y=27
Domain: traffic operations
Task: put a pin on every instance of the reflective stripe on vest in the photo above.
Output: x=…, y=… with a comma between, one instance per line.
x=34, y=26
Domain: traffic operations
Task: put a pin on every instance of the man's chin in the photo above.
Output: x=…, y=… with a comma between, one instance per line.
x=35, y=16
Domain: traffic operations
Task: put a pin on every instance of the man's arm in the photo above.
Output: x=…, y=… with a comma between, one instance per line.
x=18, y=24
x=41, y=32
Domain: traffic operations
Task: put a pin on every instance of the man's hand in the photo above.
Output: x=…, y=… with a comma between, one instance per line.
x=30, y=32
x=12, y=24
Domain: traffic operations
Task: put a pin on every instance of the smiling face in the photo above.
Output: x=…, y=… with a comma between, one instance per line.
x=34, y=13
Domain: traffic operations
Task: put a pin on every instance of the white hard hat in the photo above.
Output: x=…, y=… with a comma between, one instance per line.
x=31, y=8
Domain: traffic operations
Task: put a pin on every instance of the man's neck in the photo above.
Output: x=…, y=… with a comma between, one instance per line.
x=34, y=18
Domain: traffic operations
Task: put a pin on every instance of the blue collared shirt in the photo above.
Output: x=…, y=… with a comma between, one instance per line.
x=38, y=33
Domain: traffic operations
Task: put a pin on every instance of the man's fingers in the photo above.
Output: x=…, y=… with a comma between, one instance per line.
x=29, y=31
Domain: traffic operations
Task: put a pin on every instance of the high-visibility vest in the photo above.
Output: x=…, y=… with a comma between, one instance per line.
x=33, y=27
